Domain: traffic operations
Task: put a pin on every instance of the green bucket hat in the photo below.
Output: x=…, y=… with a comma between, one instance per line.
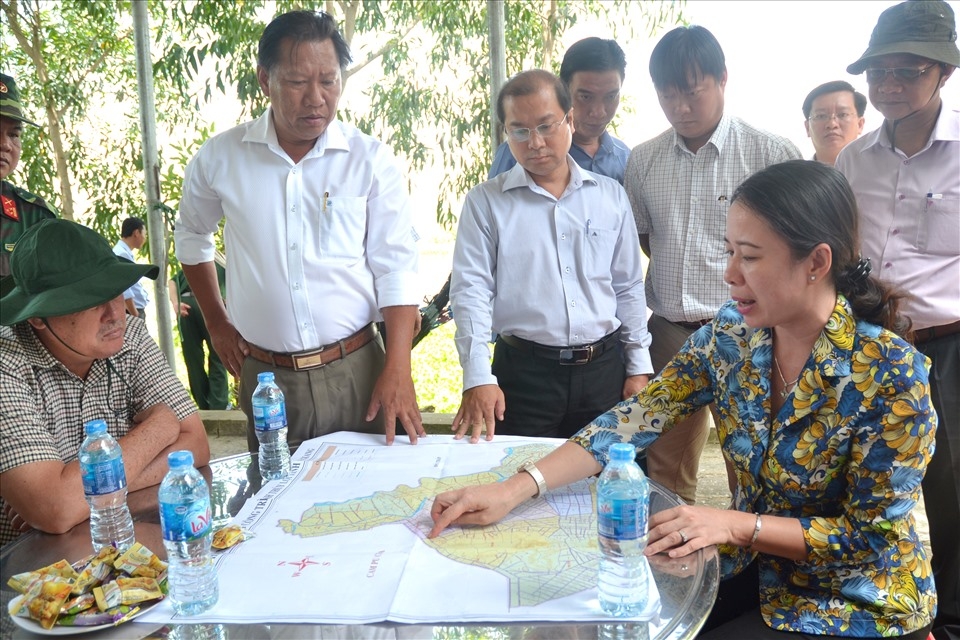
x=10, y=100
x=61, y=267
x=924, y=28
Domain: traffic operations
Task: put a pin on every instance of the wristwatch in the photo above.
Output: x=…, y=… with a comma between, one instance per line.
x=531, y=468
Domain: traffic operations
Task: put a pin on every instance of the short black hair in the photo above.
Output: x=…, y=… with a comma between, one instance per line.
x=859, y=100
x=130, y=225
x=527, y=83
x=593, y=54
x=300, y=26
x=683, y=54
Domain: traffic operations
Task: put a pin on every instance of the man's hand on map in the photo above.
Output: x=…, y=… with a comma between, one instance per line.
x=480, y=505
x=480, y=406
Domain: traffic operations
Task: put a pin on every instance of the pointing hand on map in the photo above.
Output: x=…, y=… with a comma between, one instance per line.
x=488, y=503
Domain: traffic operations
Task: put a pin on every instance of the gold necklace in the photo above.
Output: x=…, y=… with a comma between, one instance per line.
x=786, y=386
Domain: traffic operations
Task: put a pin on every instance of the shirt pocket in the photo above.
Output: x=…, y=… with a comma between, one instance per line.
x=599, y=246
x=343, y=228
x=939, y=229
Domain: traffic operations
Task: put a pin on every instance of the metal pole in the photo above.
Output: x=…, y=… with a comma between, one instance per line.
x=155, y=223
x=498, y=65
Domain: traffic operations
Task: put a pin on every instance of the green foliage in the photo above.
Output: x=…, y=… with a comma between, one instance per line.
x=426, y=80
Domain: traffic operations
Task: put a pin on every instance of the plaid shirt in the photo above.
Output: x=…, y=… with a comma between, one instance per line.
x=680, y=199
x=44, y=406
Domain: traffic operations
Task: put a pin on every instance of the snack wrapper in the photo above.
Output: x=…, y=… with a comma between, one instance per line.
x=138, y=561
x=126, y=591
x=226, y=537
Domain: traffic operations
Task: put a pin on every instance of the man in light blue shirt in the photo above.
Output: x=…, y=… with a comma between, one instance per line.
x=547, y=257
x=593, y=70
x=133, y=235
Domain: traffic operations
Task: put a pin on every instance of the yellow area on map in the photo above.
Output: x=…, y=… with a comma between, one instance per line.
x=546, y=548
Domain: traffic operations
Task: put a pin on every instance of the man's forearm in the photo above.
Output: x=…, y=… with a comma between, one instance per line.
x=401, y=326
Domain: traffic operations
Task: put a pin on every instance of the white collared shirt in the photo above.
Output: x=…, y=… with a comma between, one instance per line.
x=680, y=199
x=910, y=216
x=559, y=272
x=315, y=248
x=137, y=292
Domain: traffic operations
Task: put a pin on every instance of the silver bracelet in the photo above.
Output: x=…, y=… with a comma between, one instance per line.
x=756, y=532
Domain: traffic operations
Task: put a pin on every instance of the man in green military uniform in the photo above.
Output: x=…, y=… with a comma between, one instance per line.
x=209, y=384
x=21, y=209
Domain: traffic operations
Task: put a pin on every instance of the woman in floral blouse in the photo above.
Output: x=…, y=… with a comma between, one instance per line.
x=825, y=417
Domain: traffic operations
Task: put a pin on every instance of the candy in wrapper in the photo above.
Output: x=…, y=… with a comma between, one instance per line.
x=228, y=536
x=45, y=606
x=95, y=617
x=78, y=604
x=126, y=591
x=139, y=561
x=93, y=574
x=22, y=581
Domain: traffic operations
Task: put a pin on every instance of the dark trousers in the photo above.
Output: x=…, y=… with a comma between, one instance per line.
x=207, y=375
x=736, y=614
x=547, y=399
x=941, y=484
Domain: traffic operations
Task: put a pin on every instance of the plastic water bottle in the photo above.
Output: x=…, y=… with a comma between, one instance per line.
x=105, y=487
x=186, y=525
x=270, y=423
x=623, y=503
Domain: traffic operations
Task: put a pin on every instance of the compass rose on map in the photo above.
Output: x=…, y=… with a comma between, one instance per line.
x=301, y=564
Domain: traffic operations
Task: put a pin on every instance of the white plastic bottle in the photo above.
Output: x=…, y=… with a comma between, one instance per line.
x=186, y=526
x=270, y=423
x=105, y=487
x=623, y=503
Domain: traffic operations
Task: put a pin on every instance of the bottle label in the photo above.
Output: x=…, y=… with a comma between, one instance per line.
x=270, y=417
x=103, y=477
x=621, y=519
x=185, y=521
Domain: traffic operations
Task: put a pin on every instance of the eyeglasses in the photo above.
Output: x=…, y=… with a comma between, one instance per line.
x=824, y=118
x=903, y=74
x=543, y=130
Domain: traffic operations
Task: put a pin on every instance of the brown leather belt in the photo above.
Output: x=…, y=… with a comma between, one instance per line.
x=693, y=326
x=932, y=333
x=318, y=357
x=565, y=355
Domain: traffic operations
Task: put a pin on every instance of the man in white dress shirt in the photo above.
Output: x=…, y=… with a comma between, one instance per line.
x=321, y=245
x=546, y=257
x=133, y=235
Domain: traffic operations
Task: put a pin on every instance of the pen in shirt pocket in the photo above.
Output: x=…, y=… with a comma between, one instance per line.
x=931, y=197
x=326, y=197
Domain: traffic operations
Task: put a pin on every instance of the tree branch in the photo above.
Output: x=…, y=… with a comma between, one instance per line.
x=392, y=42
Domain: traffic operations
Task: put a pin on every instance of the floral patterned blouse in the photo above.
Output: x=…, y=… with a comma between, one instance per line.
x=845, y=454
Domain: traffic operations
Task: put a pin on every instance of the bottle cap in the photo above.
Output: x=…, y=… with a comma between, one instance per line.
x=95, y=427
x=622, y=451
x=266, y=376
x=180, y=459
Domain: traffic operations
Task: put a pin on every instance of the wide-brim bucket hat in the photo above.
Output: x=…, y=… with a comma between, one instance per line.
x=60, y=267
x=925, y=28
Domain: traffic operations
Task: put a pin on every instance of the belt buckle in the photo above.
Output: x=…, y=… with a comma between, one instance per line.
x=580, y=355
x=309, y=360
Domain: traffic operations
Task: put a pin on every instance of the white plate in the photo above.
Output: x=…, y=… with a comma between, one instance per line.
x=31, y=625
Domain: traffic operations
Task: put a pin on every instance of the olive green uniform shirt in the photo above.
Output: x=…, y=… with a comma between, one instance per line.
x=21, y=210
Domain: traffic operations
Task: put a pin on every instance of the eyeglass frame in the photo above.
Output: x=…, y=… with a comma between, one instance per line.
x=545, y=130
x=894, y=71
x=842, y=118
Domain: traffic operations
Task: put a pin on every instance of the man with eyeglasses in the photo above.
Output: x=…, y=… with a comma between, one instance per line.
x=906, y=176
x=593, y=70
x=833, y=118
x=70, y=354
x=680, y=184
x=546, y=257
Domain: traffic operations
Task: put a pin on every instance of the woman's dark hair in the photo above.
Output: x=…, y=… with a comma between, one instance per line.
x=808, y=203
x=300, y=26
